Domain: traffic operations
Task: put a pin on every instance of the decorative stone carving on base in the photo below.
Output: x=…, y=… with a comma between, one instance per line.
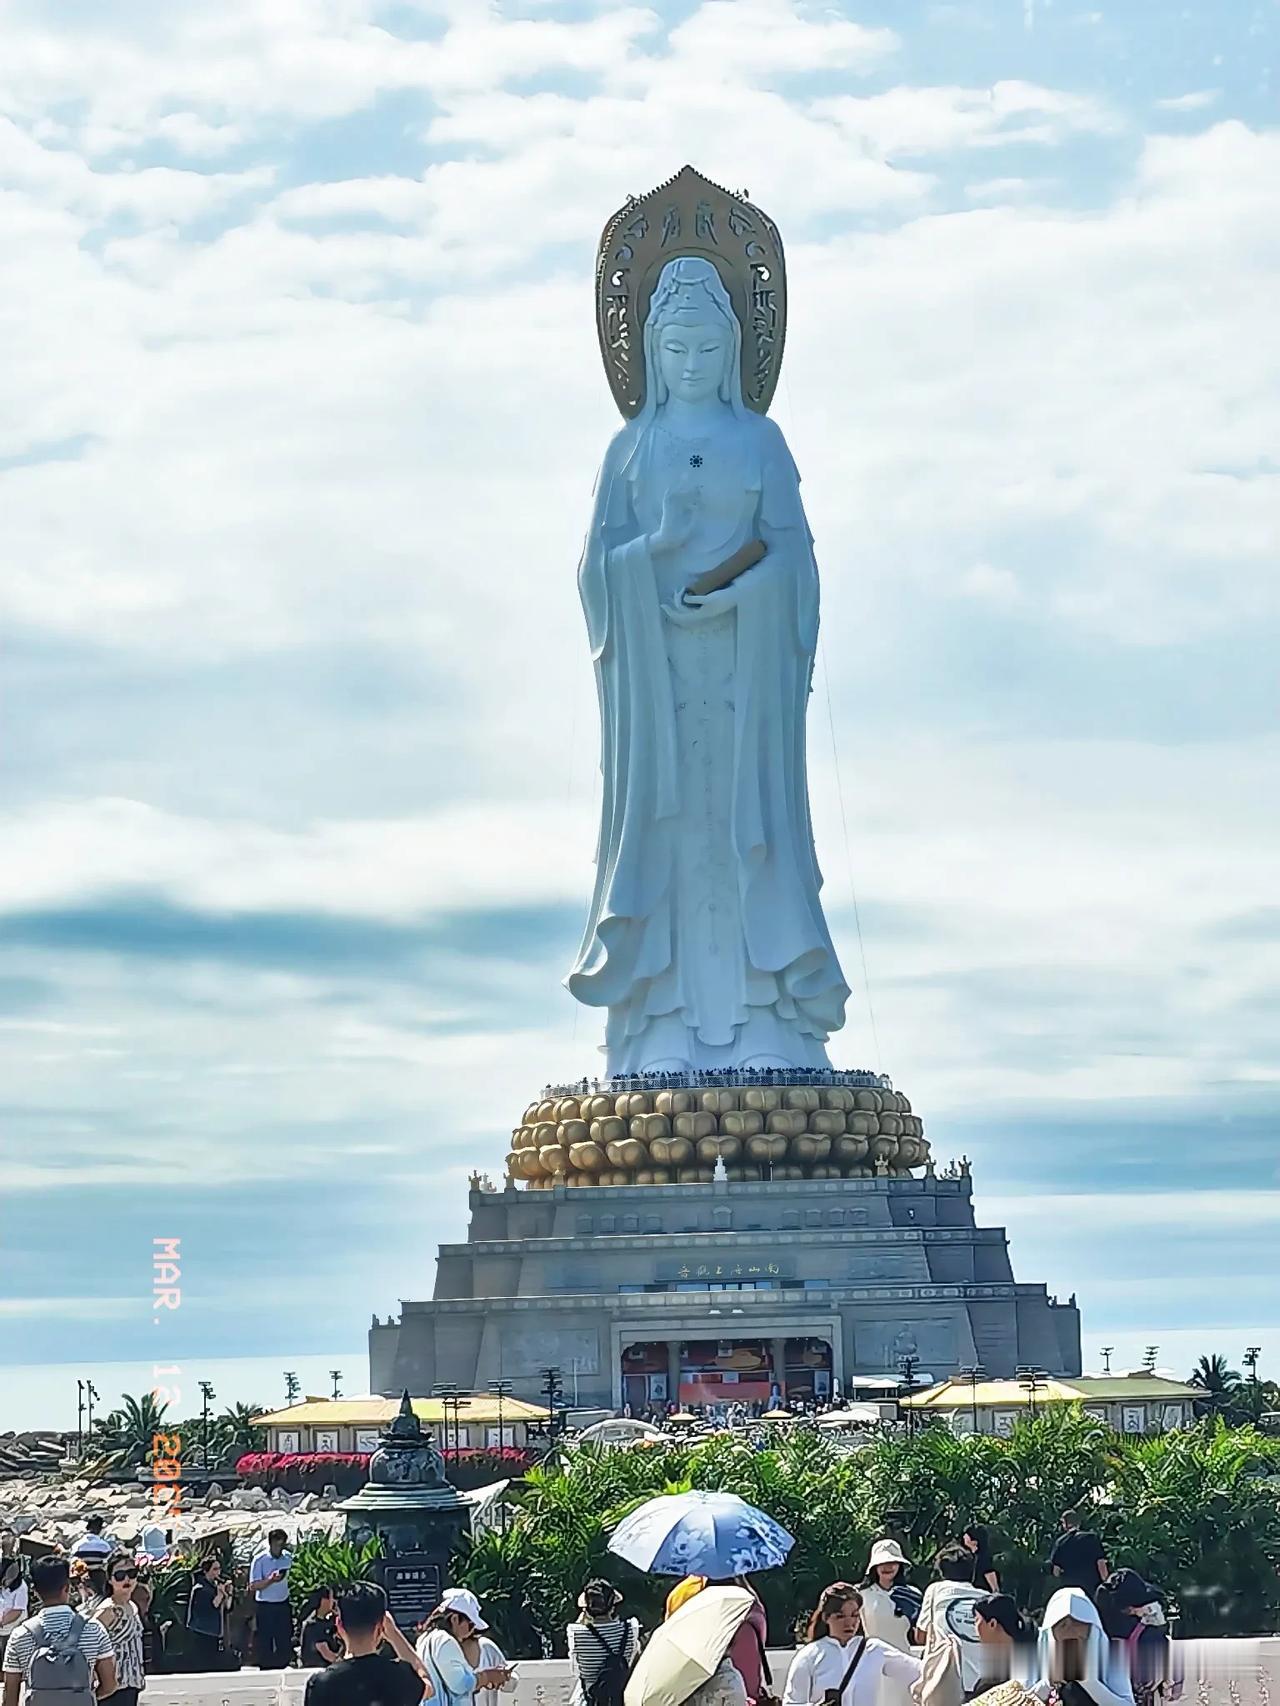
x=664, y=1135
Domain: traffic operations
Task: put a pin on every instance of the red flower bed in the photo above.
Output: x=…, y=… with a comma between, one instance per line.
x=308, y=1471
x=305, y=1471
x=477, y=1465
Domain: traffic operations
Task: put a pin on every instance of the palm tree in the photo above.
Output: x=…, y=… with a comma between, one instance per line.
x=239, y=1421
x=126, y=1434
x=1254, y=1399
x=1219, y=1383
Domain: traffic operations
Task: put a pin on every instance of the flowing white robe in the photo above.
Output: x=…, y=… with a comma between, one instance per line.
x=706, y=938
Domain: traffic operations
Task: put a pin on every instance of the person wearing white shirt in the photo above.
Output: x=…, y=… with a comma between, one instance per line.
x=839, y=1659
x=269, y=1582
x=949, y=1612
x=13, y=1595
x=479, y=1649
x=453, y=1681
x=93, y=1546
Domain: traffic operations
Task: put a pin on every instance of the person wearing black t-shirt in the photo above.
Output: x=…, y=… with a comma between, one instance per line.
x=365, y=1677
x=206, y=1608
x=318, y=1636
x=1079, y=1558
x=977, y=1542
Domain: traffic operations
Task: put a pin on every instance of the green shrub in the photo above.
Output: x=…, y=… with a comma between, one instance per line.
x=336, y=1562
x=1192, y=1511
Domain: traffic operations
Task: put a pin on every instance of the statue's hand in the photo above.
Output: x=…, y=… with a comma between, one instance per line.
x=696, y=607
x=679, y=515
x=710, y=604
x=689, y=611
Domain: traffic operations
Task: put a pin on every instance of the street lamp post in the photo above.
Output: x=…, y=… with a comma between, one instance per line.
x=1106, y=1358
x=446, y=1393
x=907, y=1366
x=335, y=1374
x=91, y=1392
x=79, y=1418
x=502, y=1389
x=973, y=1375
x=452, y=1398
x=1251, y=1363
x=206, y=1394
x=1031, y=1380
x=554, y=1393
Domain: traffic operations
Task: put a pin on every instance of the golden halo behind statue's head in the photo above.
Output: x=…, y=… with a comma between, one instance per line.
x=689, y=215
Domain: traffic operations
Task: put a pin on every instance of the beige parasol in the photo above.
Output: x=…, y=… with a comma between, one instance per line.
x=686, y=1650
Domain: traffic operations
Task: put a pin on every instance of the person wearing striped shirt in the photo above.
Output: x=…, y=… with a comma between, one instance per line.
x=51, y=1580
x=598, y=1637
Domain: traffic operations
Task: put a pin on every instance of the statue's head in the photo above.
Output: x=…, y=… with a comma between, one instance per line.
x=692, y=337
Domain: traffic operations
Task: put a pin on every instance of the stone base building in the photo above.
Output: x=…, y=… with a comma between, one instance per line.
x=713, y=1292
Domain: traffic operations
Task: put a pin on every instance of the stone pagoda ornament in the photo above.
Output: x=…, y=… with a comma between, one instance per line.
x=409, y=1505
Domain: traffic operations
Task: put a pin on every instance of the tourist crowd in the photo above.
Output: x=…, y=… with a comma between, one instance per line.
x=727, y=1078
x=81, y=1626
x=736, y=1414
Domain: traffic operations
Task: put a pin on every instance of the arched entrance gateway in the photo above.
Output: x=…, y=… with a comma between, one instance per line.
x=709, y=1372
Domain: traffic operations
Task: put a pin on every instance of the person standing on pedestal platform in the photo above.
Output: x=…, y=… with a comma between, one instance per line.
x=269, y=1580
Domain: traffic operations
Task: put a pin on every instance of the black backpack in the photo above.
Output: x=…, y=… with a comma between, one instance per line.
x=611, y=1679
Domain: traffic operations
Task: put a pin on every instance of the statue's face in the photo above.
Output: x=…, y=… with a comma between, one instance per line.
x=692, y=358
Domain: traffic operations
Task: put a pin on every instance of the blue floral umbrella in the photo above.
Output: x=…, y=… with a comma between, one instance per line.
x=717, y=1535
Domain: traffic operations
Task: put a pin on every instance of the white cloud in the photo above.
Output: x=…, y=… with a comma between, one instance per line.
x=461, y=856
x=909, y=120
x=732, y=40
x=1194, y=101
x=96, y=1308
x=990, y=584
x=60, y=177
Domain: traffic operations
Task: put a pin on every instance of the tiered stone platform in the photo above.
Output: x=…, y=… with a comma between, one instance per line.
x=671, y=1130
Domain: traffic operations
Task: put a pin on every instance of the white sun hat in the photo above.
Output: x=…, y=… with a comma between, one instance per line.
x=465, y=1603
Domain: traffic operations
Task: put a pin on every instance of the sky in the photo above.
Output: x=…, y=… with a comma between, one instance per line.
x=301, y=415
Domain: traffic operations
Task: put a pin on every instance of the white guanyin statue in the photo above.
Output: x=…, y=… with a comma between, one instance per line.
x=706, y=939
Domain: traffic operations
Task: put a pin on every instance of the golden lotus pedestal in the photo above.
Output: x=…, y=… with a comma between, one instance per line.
x=659, y=1136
